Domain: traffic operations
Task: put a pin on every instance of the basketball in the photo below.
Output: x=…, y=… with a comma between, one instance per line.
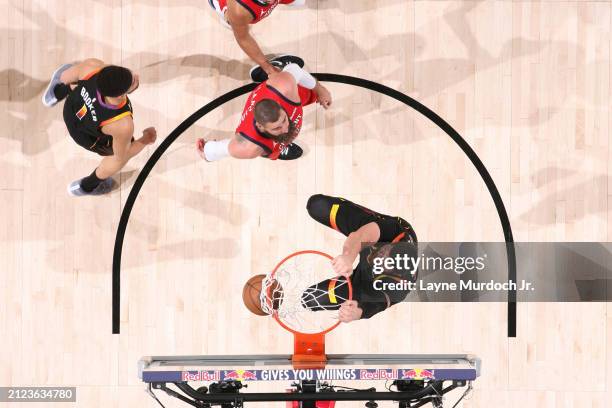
x=251, y=294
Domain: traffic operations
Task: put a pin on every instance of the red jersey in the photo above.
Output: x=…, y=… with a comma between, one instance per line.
x=259, y=9
x=248, y=129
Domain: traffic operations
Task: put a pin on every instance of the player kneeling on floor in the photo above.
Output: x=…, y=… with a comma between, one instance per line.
x=271, y=119
x=98, y=115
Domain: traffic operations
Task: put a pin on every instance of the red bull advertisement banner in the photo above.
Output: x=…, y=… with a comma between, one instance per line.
x=314, y=374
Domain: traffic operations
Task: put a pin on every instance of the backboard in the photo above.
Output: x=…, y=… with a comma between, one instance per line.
x=412, y=380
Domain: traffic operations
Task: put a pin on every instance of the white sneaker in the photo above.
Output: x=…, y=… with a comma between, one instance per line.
x=75, y=190
x=48, y=97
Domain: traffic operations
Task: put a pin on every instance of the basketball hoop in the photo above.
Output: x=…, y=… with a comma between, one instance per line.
x=303, y=294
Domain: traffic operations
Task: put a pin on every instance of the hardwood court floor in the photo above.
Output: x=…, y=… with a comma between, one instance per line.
x=527, y=83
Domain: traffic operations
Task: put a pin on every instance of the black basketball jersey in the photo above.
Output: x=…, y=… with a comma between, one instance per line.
x=90, y=111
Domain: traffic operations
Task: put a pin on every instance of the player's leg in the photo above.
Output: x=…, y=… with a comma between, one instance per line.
x=346, y=217
x=339, y=214
x=91, y=184
x=326, y=295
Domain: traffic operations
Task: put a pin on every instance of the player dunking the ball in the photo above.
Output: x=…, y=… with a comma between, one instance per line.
x=271, y=119
x=369, y=235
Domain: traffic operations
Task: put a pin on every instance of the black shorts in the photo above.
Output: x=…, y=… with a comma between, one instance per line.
x=346, y=217
x=92, y=140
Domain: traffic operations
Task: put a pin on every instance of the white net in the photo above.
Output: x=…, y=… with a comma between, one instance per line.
x=304, y=293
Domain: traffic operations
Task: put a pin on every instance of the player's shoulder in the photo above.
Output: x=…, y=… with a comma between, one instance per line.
x=283, y=82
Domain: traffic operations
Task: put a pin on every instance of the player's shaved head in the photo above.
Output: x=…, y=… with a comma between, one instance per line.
x=267, y=111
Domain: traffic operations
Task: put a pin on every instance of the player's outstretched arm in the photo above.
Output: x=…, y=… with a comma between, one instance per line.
x=343, y=263
x=240, y=148
x=239, y=19
x=149, y=136
x=237, y=147
x=306, y=80
x=123, y=148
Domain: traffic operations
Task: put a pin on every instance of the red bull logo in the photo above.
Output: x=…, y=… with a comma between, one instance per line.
x=378, y=374
x=417, y=374
x=240, y=375
x=200, y=376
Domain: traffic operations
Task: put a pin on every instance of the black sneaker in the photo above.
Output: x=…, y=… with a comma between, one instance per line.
x=291, y=152
x=259, y=75
x=105, y=187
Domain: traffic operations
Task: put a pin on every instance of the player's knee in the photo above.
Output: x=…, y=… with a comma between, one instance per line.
x=318, y=207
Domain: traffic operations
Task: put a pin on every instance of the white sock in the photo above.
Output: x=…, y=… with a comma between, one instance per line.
x=216, y=150
x=301, y=76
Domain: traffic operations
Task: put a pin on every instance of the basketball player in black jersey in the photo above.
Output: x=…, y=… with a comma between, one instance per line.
x=98, y=115
x=369, y=235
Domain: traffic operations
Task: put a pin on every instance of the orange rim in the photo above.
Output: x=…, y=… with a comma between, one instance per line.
x=269, y=294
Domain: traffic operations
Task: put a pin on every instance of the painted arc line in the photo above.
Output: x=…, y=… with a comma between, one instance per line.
x=325, y=77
